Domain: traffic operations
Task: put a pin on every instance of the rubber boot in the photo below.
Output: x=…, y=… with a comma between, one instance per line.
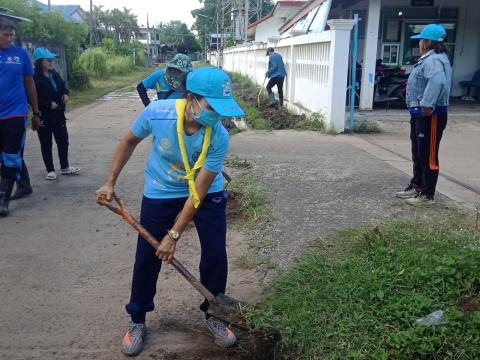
x=272, y=102
x=6, y=187
x=23, y=185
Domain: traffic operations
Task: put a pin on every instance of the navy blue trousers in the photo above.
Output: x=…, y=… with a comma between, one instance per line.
x=12, y=142
x=158, y=216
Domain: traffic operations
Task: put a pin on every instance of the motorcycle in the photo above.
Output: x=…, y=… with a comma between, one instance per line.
x=390, y=84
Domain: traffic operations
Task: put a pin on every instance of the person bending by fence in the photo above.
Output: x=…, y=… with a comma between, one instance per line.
x=169, y=84
x=276, y=73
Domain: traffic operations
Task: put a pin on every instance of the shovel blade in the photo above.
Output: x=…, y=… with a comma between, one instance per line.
x=229, y=310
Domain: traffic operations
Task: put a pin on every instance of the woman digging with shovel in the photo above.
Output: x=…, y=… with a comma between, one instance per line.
x=183, y=182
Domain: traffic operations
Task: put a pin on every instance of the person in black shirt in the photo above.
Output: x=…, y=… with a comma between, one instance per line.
x=53, y=94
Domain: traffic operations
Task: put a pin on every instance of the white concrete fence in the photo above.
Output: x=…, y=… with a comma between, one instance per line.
x=317, y=70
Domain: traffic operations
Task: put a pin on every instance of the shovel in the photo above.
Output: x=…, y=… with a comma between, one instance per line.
x=221, y=306
x=260, y=92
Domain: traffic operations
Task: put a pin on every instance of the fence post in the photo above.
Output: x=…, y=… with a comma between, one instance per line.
x=338, y=72
x=292, y=75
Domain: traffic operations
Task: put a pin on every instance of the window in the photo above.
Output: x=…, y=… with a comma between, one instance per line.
x=411, y=49
x=392, y=31
x=390, y=54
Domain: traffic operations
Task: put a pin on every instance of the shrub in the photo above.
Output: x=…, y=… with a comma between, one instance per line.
x=94, y=60
x=119, y=65
x=78, y=77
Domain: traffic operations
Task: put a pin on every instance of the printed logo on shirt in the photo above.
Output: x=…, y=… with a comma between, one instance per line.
x=421, y=135
x=195, y=156
x=14, y=60
x=176, y=173
x=164, y=146
x=165, y=143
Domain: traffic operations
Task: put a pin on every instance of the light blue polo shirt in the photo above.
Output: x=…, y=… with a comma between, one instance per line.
x=164, y=170
x=156, y=81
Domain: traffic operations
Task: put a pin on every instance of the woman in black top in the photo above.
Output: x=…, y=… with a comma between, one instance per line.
x=53, y=94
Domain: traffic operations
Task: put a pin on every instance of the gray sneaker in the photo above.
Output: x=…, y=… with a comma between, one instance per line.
x=420, y=200
x=408, y=193
x=133, y=340
x=224, y=337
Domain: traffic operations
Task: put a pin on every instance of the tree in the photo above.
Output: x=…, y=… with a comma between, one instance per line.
x=206, y=17
x=177, y=32
x=121, y=25
x=49, y=26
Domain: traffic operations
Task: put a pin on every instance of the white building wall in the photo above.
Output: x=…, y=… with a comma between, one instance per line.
x=269, y=28
x=316, y=65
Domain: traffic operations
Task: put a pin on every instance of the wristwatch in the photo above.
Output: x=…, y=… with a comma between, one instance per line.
x=38, y=113
x=174, y=235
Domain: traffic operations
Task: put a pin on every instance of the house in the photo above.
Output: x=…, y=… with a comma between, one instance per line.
x=150, y=36
x=316, y=45
x=71, y=13
x=268, y=26
x=385, y=28
x=7, y=13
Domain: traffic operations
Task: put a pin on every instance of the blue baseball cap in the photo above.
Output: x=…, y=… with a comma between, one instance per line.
x=43, y=53
x=432, y=32
x=216, y=87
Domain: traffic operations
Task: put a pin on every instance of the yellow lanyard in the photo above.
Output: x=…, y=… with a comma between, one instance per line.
x=180, y=105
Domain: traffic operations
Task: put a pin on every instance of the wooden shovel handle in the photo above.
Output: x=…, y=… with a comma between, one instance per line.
x=122, y=211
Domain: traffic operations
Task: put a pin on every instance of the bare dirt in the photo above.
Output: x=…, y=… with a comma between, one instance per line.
x=66, y=263
x=279, y=117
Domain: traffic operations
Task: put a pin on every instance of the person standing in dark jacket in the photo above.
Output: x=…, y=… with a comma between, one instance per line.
x=53, y=94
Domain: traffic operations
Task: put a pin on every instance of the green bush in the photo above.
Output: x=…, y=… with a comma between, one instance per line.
x=94, y=60
x=119, y=65
x=141, y=57
x=359, y=293
x=78, y=77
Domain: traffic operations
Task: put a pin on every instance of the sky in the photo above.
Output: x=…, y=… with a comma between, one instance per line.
x=158, y=10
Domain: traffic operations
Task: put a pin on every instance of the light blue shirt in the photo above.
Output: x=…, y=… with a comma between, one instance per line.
x=164, y=170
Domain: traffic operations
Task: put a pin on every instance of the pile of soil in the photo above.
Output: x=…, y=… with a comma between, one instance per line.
x=280, y=118
x=234, y=207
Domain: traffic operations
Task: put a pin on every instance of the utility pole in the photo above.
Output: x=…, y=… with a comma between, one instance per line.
x=148, y=43
x=91, y=21
x=49, y=6
x=247, y=6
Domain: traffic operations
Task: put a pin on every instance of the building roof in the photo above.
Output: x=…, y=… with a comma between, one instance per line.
x=66, y=11
x=7, y=13
x=286, y=3
x=307, y=7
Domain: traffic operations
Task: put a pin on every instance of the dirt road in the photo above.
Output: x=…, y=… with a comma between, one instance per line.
x=66, y=263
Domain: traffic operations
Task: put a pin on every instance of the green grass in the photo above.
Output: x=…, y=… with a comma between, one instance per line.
x=315, y=122
x=101, y=87
x=359, y=292
x=253, y=116
x=252, y=200
x=367, y=127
